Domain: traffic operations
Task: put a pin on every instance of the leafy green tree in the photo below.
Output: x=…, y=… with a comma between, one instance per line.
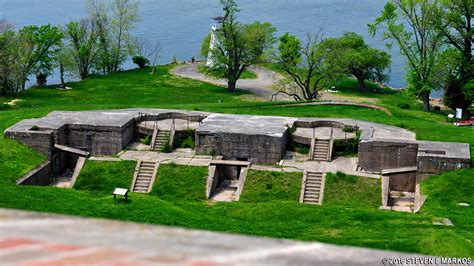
x=352, y=56
x=7, y=37
x=123, y=19
x=97, y=10
x=308, y=67
x=32, y=51
x=82, y=42
x=205, y=45
x=455, y=24
x=237, y=47
x=412, y=25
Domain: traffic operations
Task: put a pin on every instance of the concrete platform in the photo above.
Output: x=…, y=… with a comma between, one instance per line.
x=165, y=124
x=29, y=238
x=323, y=133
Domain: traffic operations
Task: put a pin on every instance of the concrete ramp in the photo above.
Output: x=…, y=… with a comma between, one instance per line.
x=226, y=180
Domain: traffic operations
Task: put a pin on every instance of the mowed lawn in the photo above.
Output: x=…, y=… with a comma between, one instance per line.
x=269, y=205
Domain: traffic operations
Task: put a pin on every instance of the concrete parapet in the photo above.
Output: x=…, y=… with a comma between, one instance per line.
x=377, y=155
x=40, y=176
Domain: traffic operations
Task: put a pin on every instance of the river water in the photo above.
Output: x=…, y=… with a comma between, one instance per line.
x=180, y=25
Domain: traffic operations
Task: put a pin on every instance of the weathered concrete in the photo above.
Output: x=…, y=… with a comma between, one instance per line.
x=258, y=139
x=29, y=238
x=437, y=157
x=377, y=155
x=40, y=176
x=254, y=138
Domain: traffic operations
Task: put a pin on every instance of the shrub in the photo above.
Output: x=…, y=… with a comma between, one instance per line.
x=41, y=79
x=403, y=105
x=188, y=143
x=34, y=128
x=146, y=140
x=348, y=129
x=140, y=61
x=4, y=106
x=174, y=60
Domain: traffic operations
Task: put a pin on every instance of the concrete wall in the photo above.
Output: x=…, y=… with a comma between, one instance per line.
x=40, y=176
x=374, y=156
x=40, y=141
x=436, y=164
x=129, y=133
x=260, y=149
x=97, y=140
x=403, y=181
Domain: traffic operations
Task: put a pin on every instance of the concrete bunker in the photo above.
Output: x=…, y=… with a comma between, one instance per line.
x=401, y=190
x=322, y=138
x=226, y=180
x=256, y=139
x=251, y=139
x=166, y=132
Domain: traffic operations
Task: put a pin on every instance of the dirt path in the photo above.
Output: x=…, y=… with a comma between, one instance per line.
x=261, y=86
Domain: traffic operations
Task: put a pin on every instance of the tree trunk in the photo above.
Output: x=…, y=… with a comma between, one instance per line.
x=425, y=97
x=83, y=75
x=361, y=83
x=61, y=73
x=231, y=84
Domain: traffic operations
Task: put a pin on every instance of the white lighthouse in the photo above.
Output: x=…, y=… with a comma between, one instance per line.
x=216, y=24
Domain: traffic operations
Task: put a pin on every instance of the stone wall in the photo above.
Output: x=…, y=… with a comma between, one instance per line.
x=40, y=176
x=260, y=149
x=374, y=156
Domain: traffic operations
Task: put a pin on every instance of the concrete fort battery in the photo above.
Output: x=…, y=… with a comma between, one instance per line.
x=65, y=137
x=258, y=139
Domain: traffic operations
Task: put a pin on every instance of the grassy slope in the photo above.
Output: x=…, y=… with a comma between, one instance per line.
x=349, y=225
x=264, y=186
x=104, y=177
x=174, y=182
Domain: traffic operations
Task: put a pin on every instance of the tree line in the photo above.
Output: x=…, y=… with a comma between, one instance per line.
x=435, y=36
x=99, y=43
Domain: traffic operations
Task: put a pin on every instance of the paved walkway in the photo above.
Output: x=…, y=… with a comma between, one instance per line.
x=293, y=162
x=261, y=86
x=29, y=238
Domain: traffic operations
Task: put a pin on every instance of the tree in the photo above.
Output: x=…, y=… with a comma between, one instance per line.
x=352, y=56
x=124, y=17
x=455, y=25
x=83, y=45
x=33, y=53
x=236, y=47
x=418, y=39
x=6, y=43
x=150, y=51
x=307, y=66
x=97, y=10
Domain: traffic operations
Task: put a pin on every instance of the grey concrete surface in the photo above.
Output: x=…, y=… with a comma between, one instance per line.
x=30, y=238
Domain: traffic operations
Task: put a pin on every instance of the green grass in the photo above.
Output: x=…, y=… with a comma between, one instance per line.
x=175, y=182
x=265, y=186
x=342, y=219
x=104, y=177
x=351, y=191
x=247, y=74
